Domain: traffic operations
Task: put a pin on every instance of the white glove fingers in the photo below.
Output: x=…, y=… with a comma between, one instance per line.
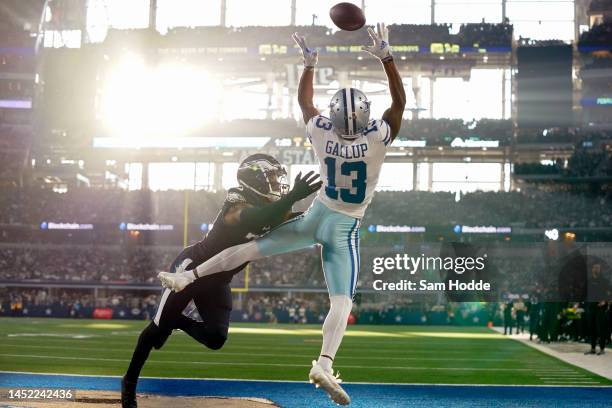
x=302, y=44
x=301, y=41
x=372, y=34
x=369, y=50
x=296, y=38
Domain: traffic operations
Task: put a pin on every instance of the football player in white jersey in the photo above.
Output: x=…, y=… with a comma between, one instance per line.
x=351, y=149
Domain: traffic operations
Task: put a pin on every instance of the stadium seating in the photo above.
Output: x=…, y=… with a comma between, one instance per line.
x=469, y=35
x=534, y=208
x=598, y=35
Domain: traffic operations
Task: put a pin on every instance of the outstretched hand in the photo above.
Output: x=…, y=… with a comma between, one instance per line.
x=304, y=186
x=310, y=55
x=380, y=42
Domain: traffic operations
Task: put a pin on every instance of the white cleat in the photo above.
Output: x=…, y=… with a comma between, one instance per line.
x=330, y=383
x=173, y=281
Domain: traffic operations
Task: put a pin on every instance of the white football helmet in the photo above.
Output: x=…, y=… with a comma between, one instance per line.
x=349, y=111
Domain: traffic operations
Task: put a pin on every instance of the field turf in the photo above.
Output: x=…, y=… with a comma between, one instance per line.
x=390, y=354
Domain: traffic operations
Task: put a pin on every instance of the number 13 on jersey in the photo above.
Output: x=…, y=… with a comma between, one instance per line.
x=358, y=173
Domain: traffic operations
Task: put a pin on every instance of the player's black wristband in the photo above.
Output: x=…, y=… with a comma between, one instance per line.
x=388, y=58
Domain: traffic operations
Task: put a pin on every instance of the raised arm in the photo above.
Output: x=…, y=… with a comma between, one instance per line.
x=255, y=218
x=393, y=115
x=305, y=88
x=381, y=50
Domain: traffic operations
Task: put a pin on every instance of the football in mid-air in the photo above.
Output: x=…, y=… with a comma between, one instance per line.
x=347, y=16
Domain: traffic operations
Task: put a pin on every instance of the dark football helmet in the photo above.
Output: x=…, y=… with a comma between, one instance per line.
x=263, y=176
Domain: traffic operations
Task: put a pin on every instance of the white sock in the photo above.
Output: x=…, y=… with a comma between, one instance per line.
x=325, y=362
x=334, y=328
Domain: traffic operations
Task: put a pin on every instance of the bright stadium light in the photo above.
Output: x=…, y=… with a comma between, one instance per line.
x=167, y=101
x=186, y=99
x=126, y=95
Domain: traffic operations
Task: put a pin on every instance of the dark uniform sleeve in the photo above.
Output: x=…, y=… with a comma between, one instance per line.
x=234, y=198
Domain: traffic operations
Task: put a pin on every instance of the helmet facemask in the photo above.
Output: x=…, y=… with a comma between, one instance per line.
x=278, y=185
x=263, y=176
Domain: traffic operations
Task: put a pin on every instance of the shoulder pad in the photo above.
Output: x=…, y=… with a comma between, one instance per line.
x=235, y=196
x=324, y=119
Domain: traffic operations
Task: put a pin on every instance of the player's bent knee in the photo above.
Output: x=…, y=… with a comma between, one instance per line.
x=342, y=303
x=216, y=340
x=155, y=335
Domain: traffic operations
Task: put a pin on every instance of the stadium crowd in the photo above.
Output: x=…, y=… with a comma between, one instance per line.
x=469, y=35
x=530, y=208
x=435, y=132
x=72, y=263
x=543, y=321
x=587, y=160
x=600, y=34
x=113, y=264
x=518, y=268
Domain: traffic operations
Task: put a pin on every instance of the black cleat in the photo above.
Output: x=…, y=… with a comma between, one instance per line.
x=601, y=353
x=128, y=394
x=592, y=351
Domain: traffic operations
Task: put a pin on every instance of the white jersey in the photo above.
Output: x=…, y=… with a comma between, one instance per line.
x=349, y=168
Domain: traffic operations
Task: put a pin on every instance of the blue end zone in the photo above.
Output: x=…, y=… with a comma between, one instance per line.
x=295, y=394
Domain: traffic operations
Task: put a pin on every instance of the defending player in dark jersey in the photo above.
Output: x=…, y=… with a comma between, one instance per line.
x=260, y=203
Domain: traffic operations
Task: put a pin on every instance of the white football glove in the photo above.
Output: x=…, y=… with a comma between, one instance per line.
x=311, y=56
x=380, y=42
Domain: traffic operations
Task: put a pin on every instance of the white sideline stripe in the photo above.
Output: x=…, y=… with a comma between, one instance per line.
x=229, y=353
x=564, y=377
x=262, y=364
x=599, y=367
x=302, y=382
x=390, y=350
x=572, y=382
